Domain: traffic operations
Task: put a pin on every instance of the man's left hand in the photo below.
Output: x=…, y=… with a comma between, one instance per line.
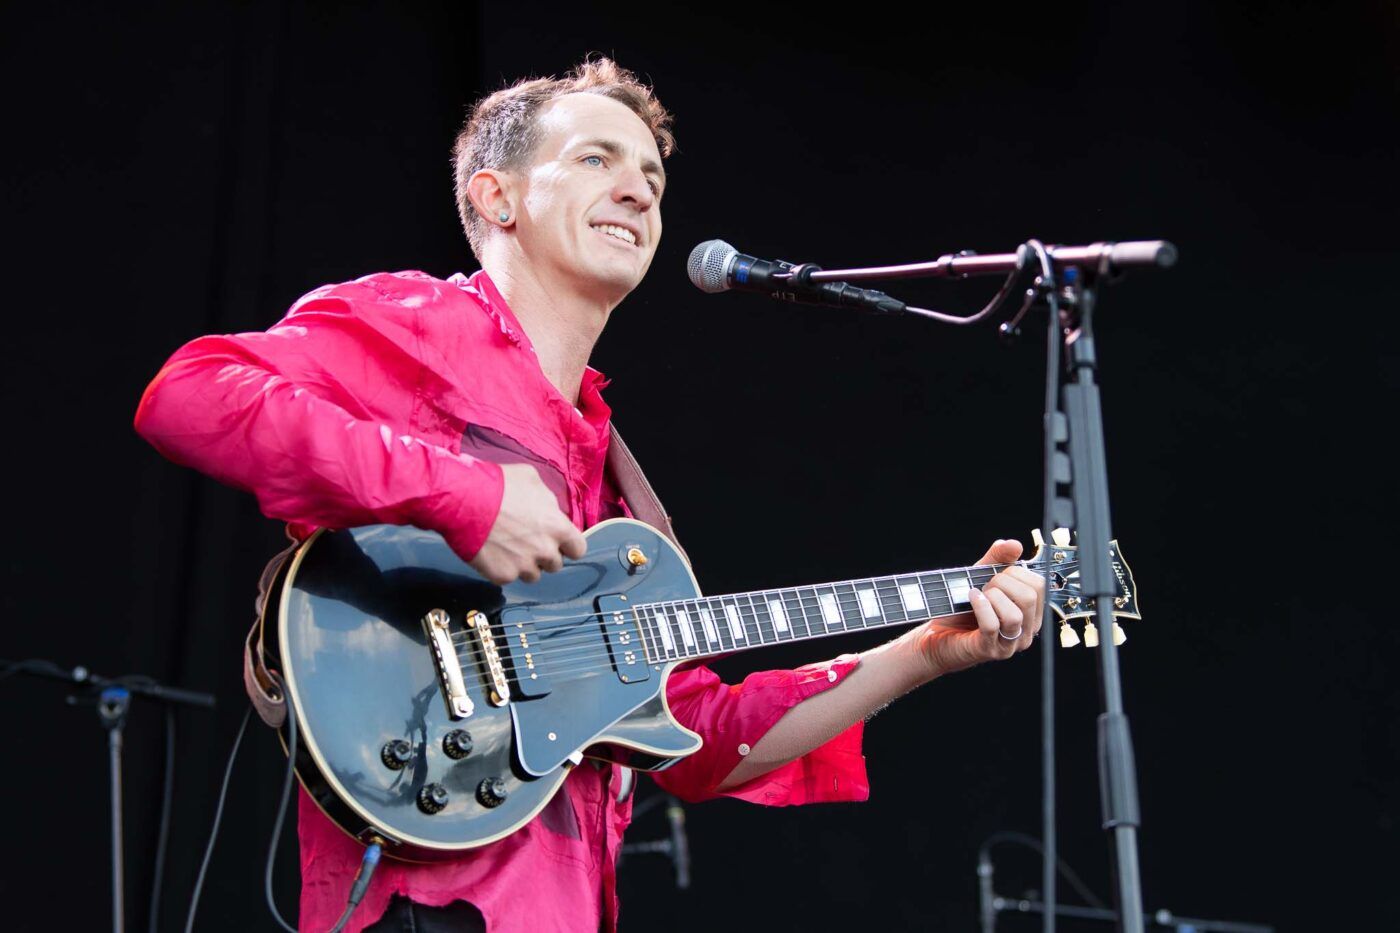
x=1006, y=615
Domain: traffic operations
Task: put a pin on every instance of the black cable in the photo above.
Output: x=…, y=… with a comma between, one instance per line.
x=1074, y=880
x=218, y=816
x=163, y=837
x=282, y=807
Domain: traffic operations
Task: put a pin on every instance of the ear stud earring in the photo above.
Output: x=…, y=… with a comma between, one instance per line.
x=504, y=216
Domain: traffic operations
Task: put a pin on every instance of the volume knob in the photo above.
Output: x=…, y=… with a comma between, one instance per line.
x=492, y=792
x=432, y=798
x=395, y=754
x=457, y=743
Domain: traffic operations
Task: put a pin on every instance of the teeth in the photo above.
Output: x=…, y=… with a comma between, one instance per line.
x=620, y=232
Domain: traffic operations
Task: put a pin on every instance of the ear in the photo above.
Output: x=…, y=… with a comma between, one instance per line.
x=492, y=193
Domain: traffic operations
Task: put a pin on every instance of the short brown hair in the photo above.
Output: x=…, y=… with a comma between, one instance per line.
x=501, y=131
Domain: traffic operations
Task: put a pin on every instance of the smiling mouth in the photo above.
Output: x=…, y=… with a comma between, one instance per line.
x=619, y=234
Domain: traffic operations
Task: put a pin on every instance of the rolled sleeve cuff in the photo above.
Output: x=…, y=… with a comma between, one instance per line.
x=732, y=718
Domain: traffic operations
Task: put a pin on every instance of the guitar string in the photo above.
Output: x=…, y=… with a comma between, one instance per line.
x=584, y=649
x=498, y=629
x=582, y=639
x=582, y=624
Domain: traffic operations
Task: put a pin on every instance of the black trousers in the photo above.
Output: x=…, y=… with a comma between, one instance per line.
x=404, y=916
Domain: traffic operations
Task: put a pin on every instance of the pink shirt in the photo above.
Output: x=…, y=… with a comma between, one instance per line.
x=392, y=399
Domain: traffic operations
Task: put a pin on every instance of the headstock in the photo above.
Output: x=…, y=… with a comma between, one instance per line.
x=1065, y=597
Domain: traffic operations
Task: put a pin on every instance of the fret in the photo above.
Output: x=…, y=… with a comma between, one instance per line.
x=911, y=598
x=710, y=618
x=792, y=605
x=647, y=632
x=754, y=617
x=830, y=607
x=959, y=586
x=936, y=592
x=664, y=629
x=891, y=606
x=763, y=620
x=869, y=604
x=683, y=624
x=707, y=623
x=778, y=613
x=848, y=600
x=811, y=611
x=736, y=622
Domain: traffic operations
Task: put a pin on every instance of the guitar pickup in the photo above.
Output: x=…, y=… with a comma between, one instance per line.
x=519, y=644
x=623, y=638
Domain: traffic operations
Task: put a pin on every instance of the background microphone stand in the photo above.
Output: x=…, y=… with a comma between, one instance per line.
x=1073, y=420
x=113, y=700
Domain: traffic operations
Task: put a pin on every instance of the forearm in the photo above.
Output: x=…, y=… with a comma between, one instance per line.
x=884, y=674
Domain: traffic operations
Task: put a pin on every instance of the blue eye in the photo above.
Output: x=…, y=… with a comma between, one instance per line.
x=599, y=158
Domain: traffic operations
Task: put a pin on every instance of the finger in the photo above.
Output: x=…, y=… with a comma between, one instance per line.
x=1010, y=621
x=987, y=622
x=550, y=563
x=1037, y=582
x=1001, y=552
x=574, y=544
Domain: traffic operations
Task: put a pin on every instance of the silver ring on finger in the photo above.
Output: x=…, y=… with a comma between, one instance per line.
x=1011, y=637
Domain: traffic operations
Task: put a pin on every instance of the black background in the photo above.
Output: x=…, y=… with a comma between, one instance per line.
x=187, y=169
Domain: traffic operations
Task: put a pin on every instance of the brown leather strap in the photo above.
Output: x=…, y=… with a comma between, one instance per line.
x=633, y=485
x=258, y=680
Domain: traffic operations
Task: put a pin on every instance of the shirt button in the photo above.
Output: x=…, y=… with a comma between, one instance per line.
x=744, y=748
x=831, y=675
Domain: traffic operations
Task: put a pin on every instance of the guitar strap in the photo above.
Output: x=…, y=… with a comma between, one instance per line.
x=627, y=477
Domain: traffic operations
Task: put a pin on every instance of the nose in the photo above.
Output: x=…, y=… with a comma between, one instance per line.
x=634, y=186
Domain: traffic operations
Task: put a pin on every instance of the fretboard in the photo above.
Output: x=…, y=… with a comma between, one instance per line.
x=711, y=625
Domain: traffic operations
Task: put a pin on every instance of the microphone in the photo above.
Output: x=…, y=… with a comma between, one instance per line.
x=715, y=266
x=680, y=846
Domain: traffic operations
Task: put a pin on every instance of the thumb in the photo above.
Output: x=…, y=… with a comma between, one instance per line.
x=1001, y=552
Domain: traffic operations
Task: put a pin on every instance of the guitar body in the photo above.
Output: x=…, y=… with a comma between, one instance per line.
x=345, y=626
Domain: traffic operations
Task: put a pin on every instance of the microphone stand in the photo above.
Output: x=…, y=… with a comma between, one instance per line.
x=113, y=701
x=1076, y=422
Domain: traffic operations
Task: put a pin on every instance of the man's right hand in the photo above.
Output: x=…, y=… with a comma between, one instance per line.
x=530, y=534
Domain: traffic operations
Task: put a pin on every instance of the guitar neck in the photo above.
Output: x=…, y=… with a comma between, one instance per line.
x=712, y=625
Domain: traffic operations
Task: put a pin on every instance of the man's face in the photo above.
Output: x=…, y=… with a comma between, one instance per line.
x=596, y=165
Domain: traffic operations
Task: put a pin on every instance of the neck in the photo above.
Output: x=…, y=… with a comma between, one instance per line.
x=563, y=324
x=708, y=626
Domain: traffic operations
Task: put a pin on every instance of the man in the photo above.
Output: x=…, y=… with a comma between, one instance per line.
x=467, y=406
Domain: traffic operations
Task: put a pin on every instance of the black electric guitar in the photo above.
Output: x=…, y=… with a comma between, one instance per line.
x=440, y=712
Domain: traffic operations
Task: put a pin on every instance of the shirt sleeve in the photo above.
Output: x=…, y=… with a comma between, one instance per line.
x=309, y=417
x=732, y=718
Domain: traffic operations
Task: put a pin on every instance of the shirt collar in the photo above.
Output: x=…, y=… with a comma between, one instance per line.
x=590, y=398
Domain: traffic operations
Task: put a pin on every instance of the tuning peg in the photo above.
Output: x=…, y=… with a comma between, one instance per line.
x=1061, y=537
x=1091, y=634
x=1068, y=636
x=1119, y=636
x=1037, y=538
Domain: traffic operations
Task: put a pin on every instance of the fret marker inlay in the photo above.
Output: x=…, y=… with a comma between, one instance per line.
x=868, y=605
x=831, y=615
x=736, y=625
x=708, y=622
x=664, y=627
x=912, y=597
x=958, y=588
x=683, y=621
x=775, y=608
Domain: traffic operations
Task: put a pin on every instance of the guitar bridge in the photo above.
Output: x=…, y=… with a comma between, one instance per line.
x=449, y=668
x=479, y=625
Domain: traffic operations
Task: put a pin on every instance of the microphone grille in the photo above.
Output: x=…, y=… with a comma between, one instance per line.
x=708, y=266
